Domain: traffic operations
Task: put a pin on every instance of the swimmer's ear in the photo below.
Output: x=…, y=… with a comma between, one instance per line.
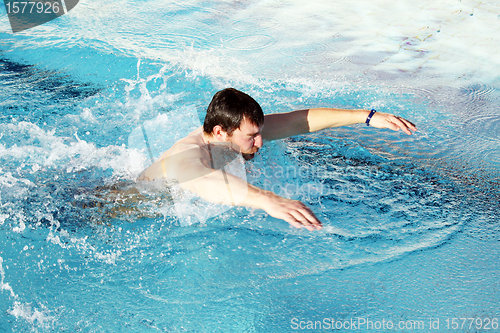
x=219, y=133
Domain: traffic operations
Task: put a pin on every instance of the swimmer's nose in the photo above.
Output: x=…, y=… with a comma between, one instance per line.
x=258, y=141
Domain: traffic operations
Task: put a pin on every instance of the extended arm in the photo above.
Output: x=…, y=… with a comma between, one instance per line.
x=282, y=125
x=218, y=186
x=223, y=188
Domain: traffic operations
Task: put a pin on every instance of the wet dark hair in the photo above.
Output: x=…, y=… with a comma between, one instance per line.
x=228, y=108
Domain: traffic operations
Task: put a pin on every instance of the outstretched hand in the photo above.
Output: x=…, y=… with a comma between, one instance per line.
x=395, y=123
x=293, y=211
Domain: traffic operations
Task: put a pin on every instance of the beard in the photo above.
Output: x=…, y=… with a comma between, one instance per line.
x=248, y=157
x=249, y=154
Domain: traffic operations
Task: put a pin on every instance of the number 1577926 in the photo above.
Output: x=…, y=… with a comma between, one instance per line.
x=25, y=7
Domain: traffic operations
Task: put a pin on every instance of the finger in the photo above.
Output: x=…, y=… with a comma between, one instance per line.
x=307, y=218
x=408, y=123
x=299, y=218
x=293, y=221
x=311, y=218
x=399, y=124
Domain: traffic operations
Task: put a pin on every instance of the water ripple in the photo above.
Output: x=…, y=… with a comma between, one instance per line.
x=484, y=126
x=250, y=42
x=480, y=92
x=255, y=23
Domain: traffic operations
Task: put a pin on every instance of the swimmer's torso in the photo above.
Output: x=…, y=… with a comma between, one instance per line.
x=192, y=148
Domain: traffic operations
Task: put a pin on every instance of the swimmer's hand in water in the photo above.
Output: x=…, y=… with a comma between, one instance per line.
x=294, y=212
x=395, y=123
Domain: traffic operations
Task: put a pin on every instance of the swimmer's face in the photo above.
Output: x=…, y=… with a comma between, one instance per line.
x=248, y=137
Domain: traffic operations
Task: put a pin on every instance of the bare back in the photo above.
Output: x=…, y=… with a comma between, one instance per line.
x=191, y=148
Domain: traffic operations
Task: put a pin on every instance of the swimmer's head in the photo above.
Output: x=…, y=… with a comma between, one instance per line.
x=228, y=109
x=235, y=117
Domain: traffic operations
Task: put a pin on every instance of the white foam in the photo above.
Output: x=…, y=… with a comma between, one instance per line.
x=109, y=258
x=21, y=227
x=3, y=217
x=324, y=40
x=4, y=285
x=43, y=149
x=54, y=239
x=33, y=316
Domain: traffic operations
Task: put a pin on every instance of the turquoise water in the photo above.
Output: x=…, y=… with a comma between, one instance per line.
x=411, y=222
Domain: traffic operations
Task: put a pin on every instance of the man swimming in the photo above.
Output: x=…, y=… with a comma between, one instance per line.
x=235, y=120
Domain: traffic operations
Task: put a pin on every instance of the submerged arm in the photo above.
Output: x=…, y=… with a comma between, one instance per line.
x=218, y=186
x=282, y=125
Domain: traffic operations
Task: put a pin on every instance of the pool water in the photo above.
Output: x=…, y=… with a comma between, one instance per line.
x=411, y=227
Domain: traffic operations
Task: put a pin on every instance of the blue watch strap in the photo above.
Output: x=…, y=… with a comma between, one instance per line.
x=370, y=117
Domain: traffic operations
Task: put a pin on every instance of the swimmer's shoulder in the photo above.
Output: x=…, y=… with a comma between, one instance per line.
x=189, y=146
x=192, y=140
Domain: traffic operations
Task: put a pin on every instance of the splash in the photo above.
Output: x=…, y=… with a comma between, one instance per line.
x=3, y=284
x=36, y=317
